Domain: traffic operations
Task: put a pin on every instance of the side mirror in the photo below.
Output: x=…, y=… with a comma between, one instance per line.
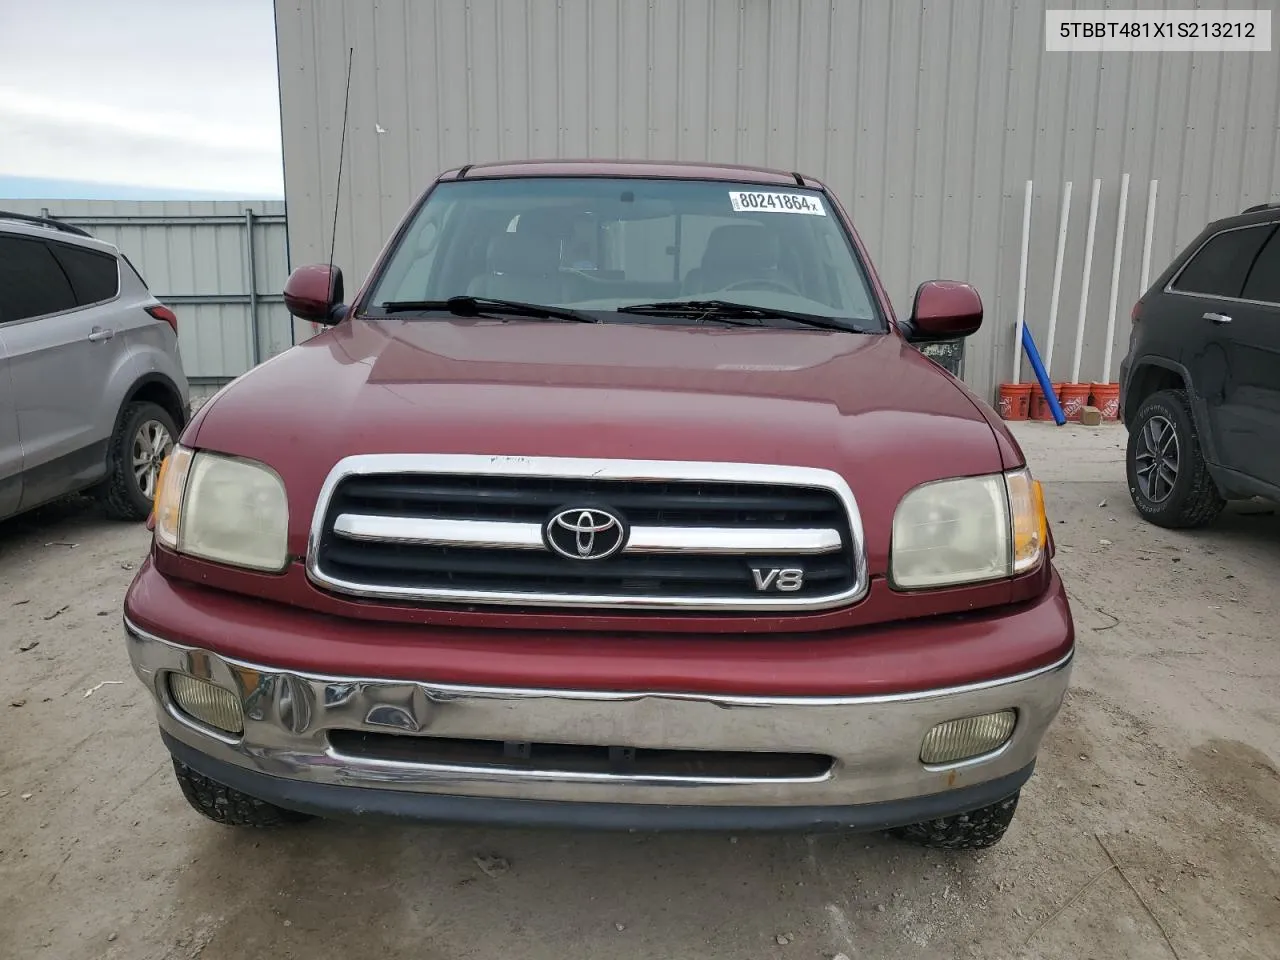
x=315, y=293
x=943, y=310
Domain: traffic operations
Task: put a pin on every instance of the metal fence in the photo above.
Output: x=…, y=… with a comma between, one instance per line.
x=220, y=264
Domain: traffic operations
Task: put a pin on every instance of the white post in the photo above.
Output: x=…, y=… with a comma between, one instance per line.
x=1063, y=217
x=1115, y=278
x=1147, y=232
x=1022, y=284
x=1084, y=281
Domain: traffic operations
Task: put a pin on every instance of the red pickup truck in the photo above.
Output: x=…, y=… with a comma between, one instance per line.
x=617, y=497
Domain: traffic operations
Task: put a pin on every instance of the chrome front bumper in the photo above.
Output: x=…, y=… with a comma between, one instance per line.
x=874, y=740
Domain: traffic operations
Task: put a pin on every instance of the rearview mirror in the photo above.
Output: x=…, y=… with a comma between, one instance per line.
x=943, y=310
x=315, y=293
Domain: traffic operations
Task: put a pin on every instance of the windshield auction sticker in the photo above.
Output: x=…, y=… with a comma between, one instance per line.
x=751, y=201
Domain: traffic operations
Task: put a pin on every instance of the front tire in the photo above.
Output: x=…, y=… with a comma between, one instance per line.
x=144, y=435
x=1169, y=480
x=975, y=830
x=228, y=806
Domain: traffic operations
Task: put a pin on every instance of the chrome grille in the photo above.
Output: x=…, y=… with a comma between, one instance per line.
x=697, y=535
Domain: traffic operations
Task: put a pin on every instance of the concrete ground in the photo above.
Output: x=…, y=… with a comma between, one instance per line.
x=1165, y=757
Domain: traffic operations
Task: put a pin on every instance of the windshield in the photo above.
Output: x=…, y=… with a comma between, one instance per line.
x=599, y=244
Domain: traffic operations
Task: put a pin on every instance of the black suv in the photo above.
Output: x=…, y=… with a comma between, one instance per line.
x=1200, y=386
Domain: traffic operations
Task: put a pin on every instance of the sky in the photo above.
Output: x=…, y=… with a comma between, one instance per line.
x=139, y=99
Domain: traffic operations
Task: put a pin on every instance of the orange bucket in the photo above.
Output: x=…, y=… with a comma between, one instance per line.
x=1015, y=399
x=1040, y=404
x=1074, y=398
x=1106, y=397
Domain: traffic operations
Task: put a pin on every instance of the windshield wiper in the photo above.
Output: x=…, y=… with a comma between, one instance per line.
x=485, y=306
x=729, y=311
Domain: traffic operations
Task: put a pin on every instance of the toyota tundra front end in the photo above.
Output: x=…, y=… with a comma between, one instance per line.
x=616, y=498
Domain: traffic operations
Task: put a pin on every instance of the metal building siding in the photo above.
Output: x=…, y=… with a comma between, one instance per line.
x=925, y=117
x=196, y=249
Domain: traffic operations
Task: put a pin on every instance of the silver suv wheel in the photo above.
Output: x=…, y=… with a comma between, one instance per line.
x=151, y=444
x=144, y=435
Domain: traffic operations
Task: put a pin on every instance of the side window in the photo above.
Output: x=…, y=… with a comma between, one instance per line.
x=695, y=232
x=425, y=244
x=1263, y=282
x=582, y=249
x=852, y=298
x=646, y=249
x=94, y=276
x=1219, y=269
x=31, y=282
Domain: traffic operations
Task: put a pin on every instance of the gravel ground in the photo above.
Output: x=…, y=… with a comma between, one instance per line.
x=1165, y=758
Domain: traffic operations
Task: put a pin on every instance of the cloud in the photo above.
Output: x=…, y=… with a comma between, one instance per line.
x=164, y=93
x=86, y=141
x=124, y=122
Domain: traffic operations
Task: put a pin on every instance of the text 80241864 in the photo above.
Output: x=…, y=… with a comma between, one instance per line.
x=752, y=201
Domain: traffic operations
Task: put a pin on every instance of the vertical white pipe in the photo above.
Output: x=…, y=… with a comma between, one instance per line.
x=1084, y=281
x=1063, y=216
x=1115, y=278
x=1147, y=232
x=1022, y=284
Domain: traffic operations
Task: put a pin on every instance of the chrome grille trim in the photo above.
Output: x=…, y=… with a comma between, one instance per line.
x=595, y=469
x=447, y=533
x=528, y=536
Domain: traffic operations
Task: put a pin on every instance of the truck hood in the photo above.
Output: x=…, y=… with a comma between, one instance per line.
x=867, y=406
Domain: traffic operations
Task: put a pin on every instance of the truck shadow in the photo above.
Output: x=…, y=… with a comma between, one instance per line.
x=1256, y=522
x=335, y=889
x=65, y=520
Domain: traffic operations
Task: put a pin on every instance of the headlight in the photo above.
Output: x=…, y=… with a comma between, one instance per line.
x=222, y=508
x=968, y=530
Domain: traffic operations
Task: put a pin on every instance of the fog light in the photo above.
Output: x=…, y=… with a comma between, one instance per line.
x=970, y=737
x=207, y=702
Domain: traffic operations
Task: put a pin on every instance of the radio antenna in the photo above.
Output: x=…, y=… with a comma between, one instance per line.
x=342, y=149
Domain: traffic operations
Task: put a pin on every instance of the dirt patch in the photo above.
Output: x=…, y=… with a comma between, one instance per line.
x=1244, y=778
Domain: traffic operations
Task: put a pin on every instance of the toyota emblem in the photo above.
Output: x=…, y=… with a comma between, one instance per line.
x=583, y=533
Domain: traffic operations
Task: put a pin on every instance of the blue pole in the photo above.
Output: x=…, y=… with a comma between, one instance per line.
x=1029, y=344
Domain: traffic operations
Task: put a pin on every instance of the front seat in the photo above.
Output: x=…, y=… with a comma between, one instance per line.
x=521, y=266
x=733, y=254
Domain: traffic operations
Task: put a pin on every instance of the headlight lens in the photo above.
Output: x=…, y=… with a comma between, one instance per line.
x=167, y=508
x=968, y=530
x=222, y=508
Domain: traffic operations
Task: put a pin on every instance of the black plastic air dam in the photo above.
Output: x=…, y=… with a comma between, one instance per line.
x=341, y=802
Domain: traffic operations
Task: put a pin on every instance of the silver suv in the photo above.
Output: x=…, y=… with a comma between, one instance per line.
x=92, y=393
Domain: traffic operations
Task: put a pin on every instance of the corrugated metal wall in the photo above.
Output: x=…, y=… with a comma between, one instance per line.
x=925, y=117
x=194, y=256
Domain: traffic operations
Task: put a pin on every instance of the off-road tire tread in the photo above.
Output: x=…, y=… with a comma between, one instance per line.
x=1198, y=503
x=975, y=830
x=115, y=493
x=225, y=805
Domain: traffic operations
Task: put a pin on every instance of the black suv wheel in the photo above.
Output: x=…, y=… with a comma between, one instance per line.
x=1169, y=480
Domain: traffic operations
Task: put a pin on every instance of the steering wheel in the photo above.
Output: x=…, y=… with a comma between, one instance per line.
x=763, y=284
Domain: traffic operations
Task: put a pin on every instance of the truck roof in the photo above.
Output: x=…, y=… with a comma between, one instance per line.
x=667, y=169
